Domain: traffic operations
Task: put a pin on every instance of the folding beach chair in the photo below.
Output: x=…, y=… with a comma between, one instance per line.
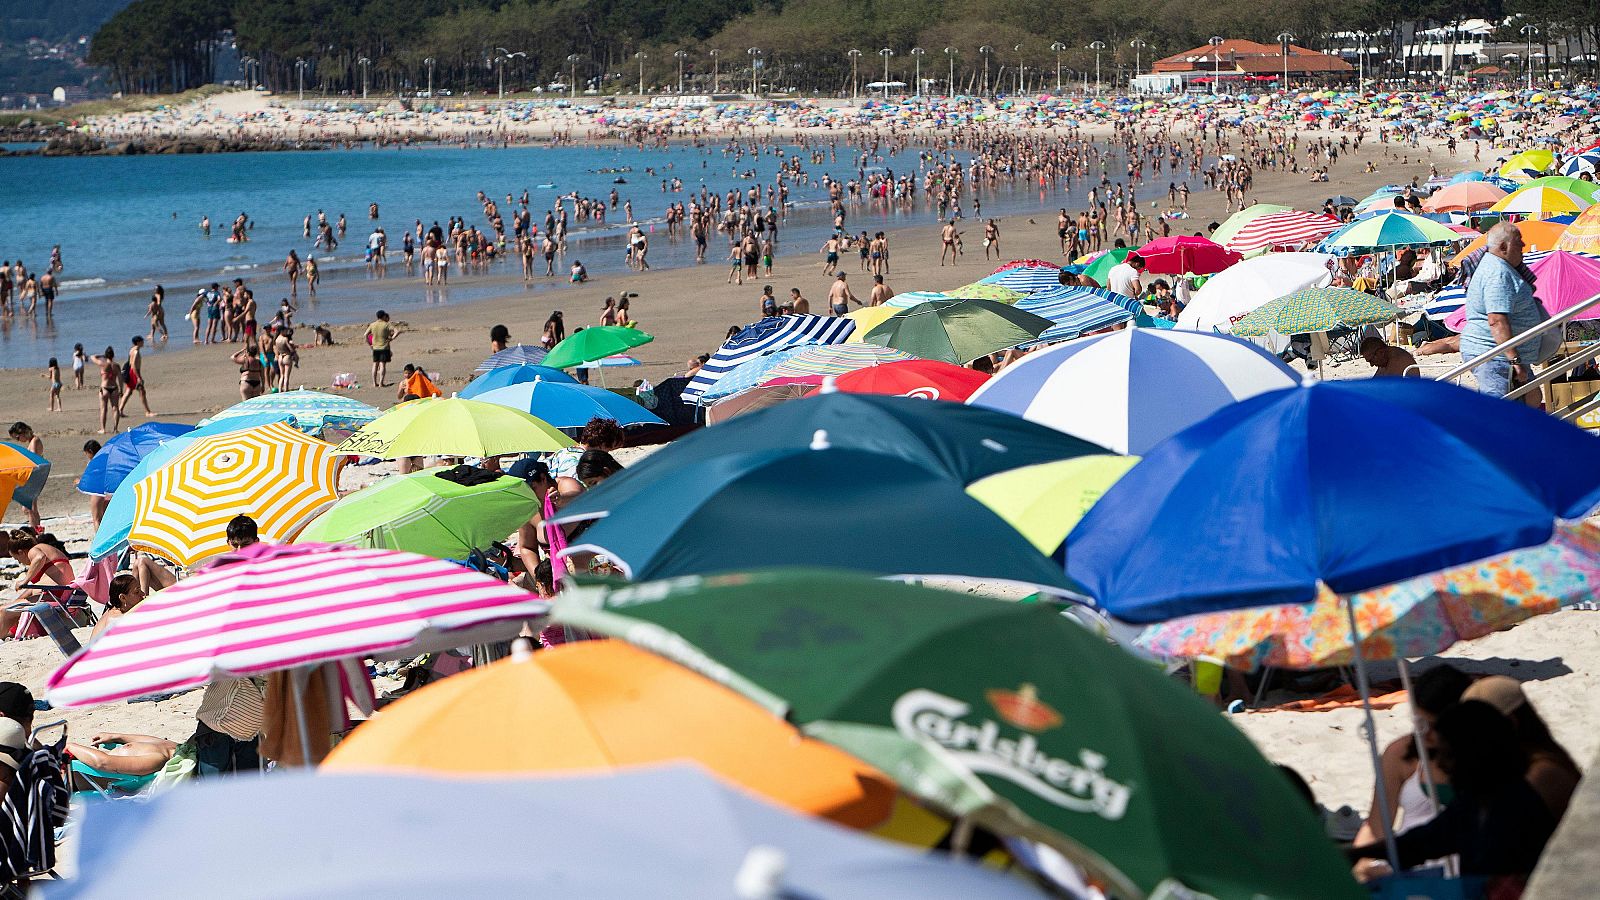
x=61, y=609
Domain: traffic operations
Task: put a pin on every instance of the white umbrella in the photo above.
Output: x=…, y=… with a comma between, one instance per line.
x=1241, y=288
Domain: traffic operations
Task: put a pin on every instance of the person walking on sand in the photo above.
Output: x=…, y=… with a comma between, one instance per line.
x=133, y=378
x=157, y=313
x=948, y=237
x=381, y=335
x=52, y=374
x=110, y=389
x=991, y=239
x=840, y=297
x=79, y=360
x=291, y=267
x=880, y=292
x=830, y=247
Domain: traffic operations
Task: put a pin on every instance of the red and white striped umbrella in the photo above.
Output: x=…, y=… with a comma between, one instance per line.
x=274, y=607
x=1293, y=228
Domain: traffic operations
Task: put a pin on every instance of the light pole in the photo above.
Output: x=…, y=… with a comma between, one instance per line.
x=1058, y=47
x=755, y=64
x=1138, y=46
x=1018, y=50
x=366, y=68
x=950, y=54
x=1097, y=47
x=986, y=50
x=1216, y=62
x=714, y=53
x=886, y=53
x=1361, y=62
x=855, y=83
x=916, y=54
x=429, y=62
x=300, y=73
x=641, y=56
x=1284, y=37
x=1528, y=31
x=500, y=63
x=680, y=55
x=572, y=80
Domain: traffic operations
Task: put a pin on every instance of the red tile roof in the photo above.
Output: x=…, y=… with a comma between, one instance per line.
x=1237, y=55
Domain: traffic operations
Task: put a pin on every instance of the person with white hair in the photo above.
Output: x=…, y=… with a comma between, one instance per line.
x=1500, y=305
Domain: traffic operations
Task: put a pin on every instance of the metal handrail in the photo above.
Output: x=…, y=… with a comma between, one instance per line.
x=1584, y=407
x=1560, y=318
x=1553, y=372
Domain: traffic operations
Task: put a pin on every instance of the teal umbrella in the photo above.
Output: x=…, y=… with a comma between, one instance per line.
x=309, y=409
x=957, y=331
x=595, y=343
x=1387, y=231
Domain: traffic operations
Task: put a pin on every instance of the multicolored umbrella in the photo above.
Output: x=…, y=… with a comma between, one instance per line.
x=1294, y=229
x=1586, y=191
x=1060, y=736
x=569, y=405
x=1387, y=231
x=1539, y=203
x=436, y=426
x=595, y=343
x=1044, y=502
x=925, y=379
x=426, y=513
x=518, y=355
x=309, y=409
x=1100, y=269
x=833, y=359
x=1025, y=278
x=1234, y=223
x=978, y=290
x=1418, y=617
x=22, y=475
x=598, y=706
x=121, y=454
x=1581, y=164
x=1186, y=255
x=505, y=376
x=275, y=474
x=1537, y=235
x=275, y=607
x=958, y=331
x=1316, y=309
x=908, y=299
x=766, y=336
x=1075, y=310
x=1583, y=235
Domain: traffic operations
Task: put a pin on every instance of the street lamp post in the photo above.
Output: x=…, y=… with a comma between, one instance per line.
x=1058, y=47
x=1284, y=37
x=1361, y=62
x=916, y=54
x=680, y=55
x=429, y=62
x=986, y=50
x=366, y=69
x=1138, y=45
x=1097, y=47
x=641, y=56
x=950, y=54
x=300, y=73
x=886, y=53
x=755, y=62
x=855, y=83
x=572, y=79
x=500, y=63
x=1528, y=31
x=715, y=72
x=1018, y=50
x=1216, y=62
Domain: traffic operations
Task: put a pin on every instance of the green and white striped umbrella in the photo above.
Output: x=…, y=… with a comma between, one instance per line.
x=1316, y=309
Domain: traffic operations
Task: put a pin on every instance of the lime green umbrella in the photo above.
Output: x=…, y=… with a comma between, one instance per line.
x=1006, y=713
x=1316, y=309
x=1046, y=500
x=1230, y=227
x=595, y=343
x=435, y=426
x=426, y=513
x=957, y=331
x=1101, y=268
x=980, y=291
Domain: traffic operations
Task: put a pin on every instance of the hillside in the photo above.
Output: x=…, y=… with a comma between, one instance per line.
x=55, y=20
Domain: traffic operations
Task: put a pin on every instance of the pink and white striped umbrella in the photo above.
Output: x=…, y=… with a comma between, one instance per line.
x=274, y=607
x=1293, y=228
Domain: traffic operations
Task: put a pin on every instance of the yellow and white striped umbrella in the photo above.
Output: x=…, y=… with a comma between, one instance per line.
x=274, y=474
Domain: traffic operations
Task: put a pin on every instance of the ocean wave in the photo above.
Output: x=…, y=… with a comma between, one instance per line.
x=242, y=267
x=82, y=282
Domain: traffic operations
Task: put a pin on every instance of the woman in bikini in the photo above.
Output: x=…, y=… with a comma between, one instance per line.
x=41, y=564
x=283, y=348
x=291, y=267
x=251, y=374
x=110, y=388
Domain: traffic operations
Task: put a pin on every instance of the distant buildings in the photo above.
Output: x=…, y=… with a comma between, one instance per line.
x=1237, y=64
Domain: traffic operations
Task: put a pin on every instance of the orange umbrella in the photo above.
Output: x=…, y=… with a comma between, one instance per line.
x=1583, y=235
x=1536, y=235
x=600, y=705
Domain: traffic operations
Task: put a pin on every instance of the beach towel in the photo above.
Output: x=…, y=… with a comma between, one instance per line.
x=1341, y=697
x=556, y=541
x=419, y=384
x=33, y=808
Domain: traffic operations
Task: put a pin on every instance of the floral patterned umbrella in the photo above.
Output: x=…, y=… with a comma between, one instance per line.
x=1417, y=617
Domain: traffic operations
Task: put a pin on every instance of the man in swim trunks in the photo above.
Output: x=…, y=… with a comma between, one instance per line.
x=948, y=237
x=47, y=290
x=381, y=335
x=830, y=247
x=840, y=297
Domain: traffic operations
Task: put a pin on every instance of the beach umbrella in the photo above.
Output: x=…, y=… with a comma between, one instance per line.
x=122, y=453
x=23, y=474
x=879, y=513
x=763, y=337
x=1417, y=617
x=821, y=360
x=1044, y=502
x=1100, y=269
x=615, y=361
x=275, y=474
x=925, y=379
x=426, y=513
x=908, y=299
x=1186, y=254
x=1585, y=191
x=1075, y=311
x=866, y=319
x=1539, y=202
x=957, y=331
x=1025, y=279
x=749, y=374
x=1292, y=228
x=1029, y=263
x=1565, y=280
x=1271, y=498
x=1232, y=225
x=1583, y=235
x=1235, y=291
x=1537, y=235
x=435, y=426
x=595, y=343
x=978, y=290
x=1316, y=309
x=1467, y=196
x=518, y=355
x=1528, y=163
x=1062, y=737
x=1340, y=200
x=309, y=409
x=1115, y=389
x=569, y=405
x=505, y=376
x=1581, y=164
x=276, y=607
x=1387, y=231
x=607, y=706
x=189, y=842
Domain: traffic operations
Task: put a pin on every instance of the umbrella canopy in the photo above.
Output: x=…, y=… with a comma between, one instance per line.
x=274, y=474
x=1231, y=293
x=274, y=607
x=1292, y=228
x=189, y=842
x=1417, y=617
x=1024, y=279
x=958, y=331
x=595, y=343
x=1100, y=269
x=1585, y=191
x=1583, y=235
x=1565, y=280
x=1186, y=254
x=426, y=513
x=120, y=454
x=866, y=319
x=1115, y=389
x=518, y=355
x=505, y=376
x=1075, y=311
x=750, y=373
x=1234, y=223
x=309, y=409
x=1044, y=502
x=569, y=405
x=925, y=379
x=23, y=474
x=1387, y=231
x=1316, y=309
x=1537, y=236
x=1583, y=163
x=979, y=290
x=435, y=426
x=1539, y=202
x=1070, y=740
x=833, y=359
x=1466, y=196
x=763, y=337
x=1528, y=164
x=908, y=299
x=605, y=705
x=1300, y=513
x=879, y=514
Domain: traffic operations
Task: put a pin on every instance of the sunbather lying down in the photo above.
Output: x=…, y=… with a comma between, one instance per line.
x=121, y=762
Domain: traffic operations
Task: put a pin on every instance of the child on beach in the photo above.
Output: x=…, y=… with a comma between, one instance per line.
x=52, y=373
x=735, y=265
x=79, y=360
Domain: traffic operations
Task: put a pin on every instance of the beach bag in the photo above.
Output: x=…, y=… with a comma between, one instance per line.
x=645, y=394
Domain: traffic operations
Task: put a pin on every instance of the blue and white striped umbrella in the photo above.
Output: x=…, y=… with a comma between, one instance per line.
x=763, y=337
x=748, y=374
x=1078, y=310
x=1027, y=279
x=908, y=299
x=1134, y=388
x=1449, y=299
x=520, y=355
x=1576, y=166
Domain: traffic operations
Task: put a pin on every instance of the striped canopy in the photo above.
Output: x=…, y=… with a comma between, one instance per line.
x=1026, y=279
x=22, y=475
x=271, y=608
x=1294, y=228
x=274, y=474
x=834, y=359
x=1540, y=202
x=1234, y=223
x=1077, y=310
x=1583, y=163
x=979, y=291
x=908, y=299
x=763, y=337
x=309, y=409
x=748, y=374
x=1388, y=231
x=519, y=355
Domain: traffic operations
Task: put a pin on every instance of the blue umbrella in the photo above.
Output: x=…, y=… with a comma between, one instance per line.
x=1270, y=498
x=748, y=374
x=506, y=376
x=519, y=355
x=1077, y=310
x=620, y=836
x=309, y=409
x=1027, y=279
x=569, y=405
x=120, y=454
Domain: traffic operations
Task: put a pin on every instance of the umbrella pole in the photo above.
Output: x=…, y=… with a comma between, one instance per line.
x=1424, y=763
x=298, y=680
x=1362, y=684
